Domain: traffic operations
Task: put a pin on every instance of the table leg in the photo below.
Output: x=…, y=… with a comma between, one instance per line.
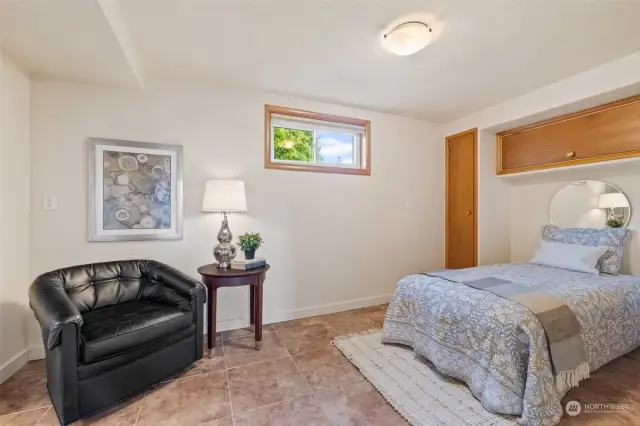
x=257, y=314
x=251, y=304
x=211, y=326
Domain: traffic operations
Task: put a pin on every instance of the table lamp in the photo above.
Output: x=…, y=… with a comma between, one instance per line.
x=611, y=201
x=224, y=196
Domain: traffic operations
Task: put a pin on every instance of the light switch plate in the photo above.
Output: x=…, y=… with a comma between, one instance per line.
x=408, y=203
x=49, y=202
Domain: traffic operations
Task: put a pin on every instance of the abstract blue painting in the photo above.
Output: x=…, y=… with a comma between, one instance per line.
x=136, y=191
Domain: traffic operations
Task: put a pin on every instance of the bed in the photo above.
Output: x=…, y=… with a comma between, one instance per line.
x=497, y=346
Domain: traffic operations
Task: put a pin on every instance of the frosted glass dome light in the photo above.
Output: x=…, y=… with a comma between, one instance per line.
x=406, y=38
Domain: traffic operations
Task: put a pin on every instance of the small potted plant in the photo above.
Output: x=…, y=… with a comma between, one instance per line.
x=614, y=222
x=249, y=243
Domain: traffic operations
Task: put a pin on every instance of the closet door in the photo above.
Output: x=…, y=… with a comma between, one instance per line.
x=461, y=200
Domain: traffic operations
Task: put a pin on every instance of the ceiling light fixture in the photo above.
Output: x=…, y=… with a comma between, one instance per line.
x=406, y=38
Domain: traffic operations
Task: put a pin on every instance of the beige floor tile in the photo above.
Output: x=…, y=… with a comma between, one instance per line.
x=205, y=364
x=377, y=317
x=358, y=405
x=24, y=391
x=296, y=412
x=187, y=402
x=124, y=414
x=241, y=351
x=256, y=385
x=379, y=323
x=25, y=418
x=36, y=365
x=634, y=355
x=245, y=332
x=51, y=419
x=349, y=322
x=305, y=339
x=301, y=322
x=373, y=309
x=227, y=421
x=327, y=369
x=625, y=371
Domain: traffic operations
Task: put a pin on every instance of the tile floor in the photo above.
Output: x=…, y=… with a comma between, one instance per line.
x=297, y=379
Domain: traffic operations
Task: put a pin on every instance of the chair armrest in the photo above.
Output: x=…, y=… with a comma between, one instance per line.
x=53, y=309
x=175, y=280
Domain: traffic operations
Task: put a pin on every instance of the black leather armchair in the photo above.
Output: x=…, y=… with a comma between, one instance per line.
x=112, y=330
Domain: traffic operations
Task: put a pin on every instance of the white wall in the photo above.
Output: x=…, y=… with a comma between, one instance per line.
x=334, y=241
x=14, y=215
x=494, y=243
x=512, y=210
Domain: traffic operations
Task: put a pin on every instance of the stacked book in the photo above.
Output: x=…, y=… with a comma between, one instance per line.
x=248, y=264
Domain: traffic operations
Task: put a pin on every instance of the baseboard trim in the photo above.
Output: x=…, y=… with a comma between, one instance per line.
x=13, y=365
x=310, y=311
x=37, y=352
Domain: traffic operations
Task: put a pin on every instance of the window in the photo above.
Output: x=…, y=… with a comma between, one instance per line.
x=309, y=141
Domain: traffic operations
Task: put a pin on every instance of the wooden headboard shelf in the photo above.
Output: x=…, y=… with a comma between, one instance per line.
x=607, y=132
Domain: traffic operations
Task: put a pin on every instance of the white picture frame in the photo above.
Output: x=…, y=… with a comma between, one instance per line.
x=135, y=190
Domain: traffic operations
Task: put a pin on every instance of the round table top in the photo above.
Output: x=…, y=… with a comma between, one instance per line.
x=212, y=270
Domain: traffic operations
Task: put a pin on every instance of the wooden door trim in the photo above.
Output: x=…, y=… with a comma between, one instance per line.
x=473, y=131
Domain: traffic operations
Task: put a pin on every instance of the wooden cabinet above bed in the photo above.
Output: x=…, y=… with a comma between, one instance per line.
x=607, y=132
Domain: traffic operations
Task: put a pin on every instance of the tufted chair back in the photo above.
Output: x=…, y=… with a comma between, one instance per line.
x=101, y=285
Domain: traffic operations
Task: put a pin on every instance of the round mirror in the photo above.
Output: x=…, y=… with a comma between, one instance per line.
x=589, y=204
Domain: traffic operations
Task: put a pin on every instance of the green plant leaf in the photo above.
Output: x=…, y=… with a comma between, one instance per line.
x=292, y=144
x=250, y=241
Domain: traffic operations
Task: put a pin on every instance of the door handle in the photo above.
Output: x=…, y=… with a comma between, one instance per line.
x=468, y=212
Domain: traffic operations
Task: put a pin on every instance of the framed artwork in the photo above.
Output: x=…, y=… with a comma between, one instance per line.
x=135, y=190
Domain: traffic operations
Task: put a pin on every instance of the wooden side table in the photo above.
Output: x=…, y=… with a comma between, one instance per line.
x=214, y=278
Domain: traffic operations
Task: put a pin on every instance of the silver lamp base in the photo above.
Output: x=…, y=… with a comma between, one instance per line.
x=224, y=252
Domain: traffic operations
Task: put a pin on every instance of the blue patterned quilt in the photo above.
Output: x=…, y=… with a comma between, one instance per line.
x=497, y=346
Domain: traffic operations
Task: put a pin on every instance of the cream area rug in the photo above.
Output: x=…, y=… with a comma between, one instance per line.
x=413, y=387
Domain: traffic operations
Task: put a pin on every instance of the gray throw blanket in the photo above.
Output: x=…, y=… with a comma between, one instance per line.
x=566, y=347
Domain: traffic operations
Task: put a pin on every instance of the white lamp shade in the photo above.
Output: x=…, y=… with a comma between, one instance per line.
x=612, y=200
x=224, y=196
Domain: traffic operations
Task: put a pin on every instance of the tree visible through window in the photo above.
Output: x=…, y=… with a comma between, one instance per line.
x=306, y=141
x=292, y=144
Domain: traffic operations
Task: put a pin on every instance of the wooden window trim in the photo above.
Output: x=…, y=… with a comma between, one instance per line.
x=365, y=148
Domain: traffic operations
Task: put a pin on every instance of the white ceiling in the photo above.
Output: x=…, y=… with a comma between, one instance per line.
x=66, y=39
x=484, y=51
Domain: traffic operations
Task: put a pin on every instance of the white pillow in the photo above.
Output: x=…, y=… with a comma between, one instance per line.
x=574, y=257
